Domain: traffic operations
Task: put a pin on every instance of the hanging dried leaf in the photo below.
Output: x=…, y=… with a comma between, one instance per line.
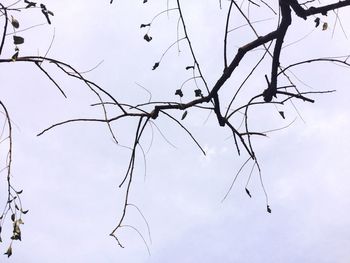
x=14, y=57
x=16, y=231
x=14, y=22
x=248, y=193
x=147, y=38
x=13, y=217
x=145, y=25
x=189, y=67
x=156, y=65
x=179, y=92
x=198, y=93
x=184, y=115
x=269, y=209
x=18, y=40
x=9, y=251
x=317, y=21
x=30, y=4
x=24, y=212
x=46, y=13
x=325, y=26
x=145, y=1
x=282, y=114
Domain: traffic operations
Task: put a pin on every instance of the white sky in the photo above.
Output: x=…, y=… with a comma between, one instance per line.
x=70, y=175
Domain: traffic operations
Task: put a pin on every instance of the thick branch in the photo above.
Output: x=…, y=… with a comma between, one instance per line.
x=5, y=28
x=304, y=13
x=282, y=30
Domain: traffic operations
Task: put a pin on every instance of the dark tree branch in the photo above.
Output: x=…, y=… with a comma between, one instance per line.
x=5, y=28
x=148, y=111
x=304, y=13
x=226, y=33
x=283, y=27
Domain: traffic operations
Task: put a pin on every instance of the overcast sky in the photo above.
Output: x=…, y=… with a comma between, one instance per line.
x=70, y=175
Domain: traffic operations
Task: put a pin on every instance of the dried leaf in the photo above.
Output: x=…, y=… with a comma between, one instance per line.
x=147, y=38
x=156, y=65
x=19, y=192
x=189, y=67
x=18, y=40
x=198, y=93
x=14, y=22
x=145, y=1
x=179, y=92
x=184, y=115
x=282, y=114
x=30, y=4
x=13, y=217
x=325, y=26
x=46, y=13
x=16, y=232
x=145, y=25
x=24, y=212
x=269, y=209
x=317, y=21
x=9, y=251
x=248, y=193
x=14, y=57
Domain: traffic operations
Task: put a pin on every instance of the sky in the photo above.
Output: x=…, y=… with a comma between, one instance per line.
x=70, y=175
